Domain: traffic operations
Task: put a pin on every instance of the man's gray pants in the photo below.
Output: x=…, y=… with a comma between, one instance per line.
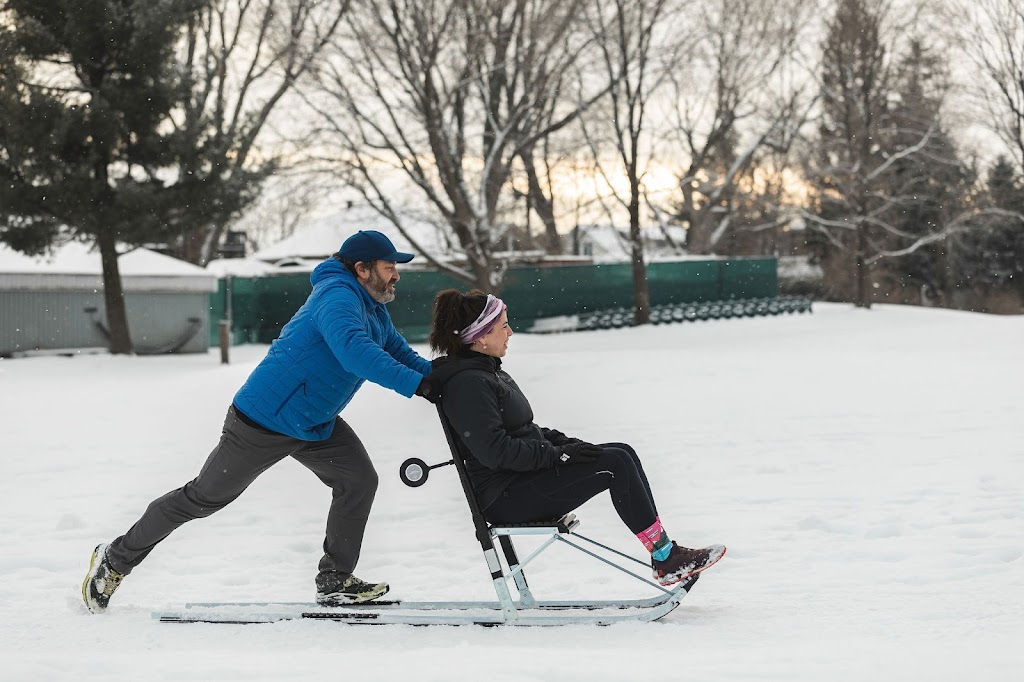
x=244, y=453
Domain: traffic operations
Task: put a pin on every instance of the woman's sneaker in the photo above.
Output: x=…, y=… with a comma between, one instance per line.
x=100, y=582
x=683, y=562
x=338, y=589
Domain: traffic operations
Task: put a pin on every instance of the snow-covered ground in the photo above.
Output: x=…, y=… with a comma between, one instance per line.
x=865, y=470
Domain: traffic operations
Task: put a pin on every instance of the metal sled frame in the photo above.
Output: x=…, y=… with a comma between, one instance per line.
x=523, y=609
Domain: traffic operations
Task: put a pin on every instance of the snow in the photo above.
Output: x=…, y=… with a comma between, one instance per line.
x=75, y=258
x=798, y=268
x=864, y=469
x=239, y=267
x=610, y=244
x=322, y=237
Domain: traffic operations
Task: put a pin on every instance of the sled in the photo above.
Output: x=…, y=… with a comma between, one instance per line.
x=506, y=576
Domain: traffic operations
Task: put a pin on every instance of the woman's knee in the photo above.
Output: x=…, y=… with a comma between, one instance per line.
x=614, y=458
x=626, y=447
x=624, y=459
x=625, y=450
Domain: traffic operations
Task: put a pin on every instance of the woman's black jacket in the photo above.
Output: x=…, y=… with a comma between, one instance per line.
x=493, y=423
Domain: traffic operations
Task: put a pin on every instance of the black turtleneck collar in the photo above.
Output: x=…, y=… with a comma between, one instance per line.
x=469, y=354
x=447, y=366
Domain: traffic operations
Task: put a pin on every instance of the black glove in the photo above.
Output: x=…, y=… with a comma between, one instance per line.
x=579, y=452
x=555, y=437
x=429, y=389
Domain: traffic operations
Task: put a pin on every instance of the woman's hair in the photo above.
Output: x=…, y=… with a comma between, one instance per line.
x=453, y=312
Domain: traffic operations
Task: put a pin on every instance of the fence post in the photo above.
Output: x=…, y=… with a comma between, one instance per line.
x=224, y=326
x=225, y=341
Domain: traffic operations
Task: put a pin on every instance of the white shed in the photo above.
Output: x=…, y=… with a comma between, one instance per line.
x=56, y=302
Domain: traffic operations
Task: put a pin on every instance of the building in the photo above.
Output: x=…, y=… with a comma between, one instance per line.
x=610, y=244
x=56, y=304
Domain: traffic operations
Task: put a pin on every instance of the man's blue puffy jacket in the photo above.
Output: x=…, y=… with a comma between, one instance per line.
x=339, y=338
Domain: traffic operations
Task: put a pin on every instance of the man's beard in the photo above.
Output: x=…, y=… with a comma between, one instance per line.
x=378, y=288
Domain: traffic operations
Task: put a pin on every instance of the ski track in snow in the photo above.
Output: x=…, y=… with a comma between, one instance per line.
x=864, y=468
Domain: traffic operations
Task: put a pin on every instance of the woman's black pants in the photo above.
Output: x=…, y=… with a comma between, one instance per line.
x=548, y=494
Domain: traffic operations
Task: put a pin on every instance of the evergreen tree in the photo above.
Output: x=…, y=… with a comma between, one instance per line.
x=88, y=151
x=992, y=254
x=930, y=186
x=851, y=141
x=885, y=175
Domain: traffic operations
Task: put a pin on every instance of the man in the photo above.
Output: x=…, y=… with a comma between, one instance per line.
x=289, y=407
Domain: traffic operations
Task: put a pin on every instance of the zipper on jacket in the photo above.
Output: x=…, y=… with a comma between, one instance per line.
x=289, y=397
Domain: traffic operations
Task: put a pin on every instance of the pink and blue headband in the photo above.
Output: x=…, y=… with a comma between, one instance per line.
x=483, y=324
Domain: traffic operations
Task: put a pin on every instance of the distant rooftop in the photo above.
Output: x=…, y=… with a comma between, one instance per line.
x=323, y=237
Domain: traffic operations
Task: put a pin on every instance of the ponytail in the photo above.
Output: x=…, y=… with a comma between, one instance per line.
x=453, y=312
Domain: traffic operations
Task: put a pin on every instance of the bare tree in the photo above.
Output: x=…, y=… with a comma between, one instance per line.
x=445, y=96
x=992, y=33
x=540, y=194
x=885, y=174
x=633, y=36
x=739, y=72
x=288, y=199
x=239, y=60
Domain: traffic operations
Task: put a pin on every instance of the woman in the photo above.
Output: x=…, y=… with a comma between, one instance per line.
x=522, y=472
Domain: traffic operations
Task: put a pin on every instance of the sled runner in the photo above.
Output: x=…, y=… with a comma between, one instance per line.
x=506, y=576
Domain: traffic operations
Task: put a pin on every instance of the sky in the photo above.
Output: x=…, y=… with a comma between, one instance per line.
x=863, y=468
x=288, y=199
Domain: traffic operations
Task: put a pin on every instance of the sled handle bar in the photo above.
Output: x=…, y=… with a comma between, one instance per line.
x=414, y=470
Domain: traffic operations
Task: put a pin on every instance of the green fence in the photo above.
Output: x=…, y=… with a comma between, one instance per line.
x=262, y=305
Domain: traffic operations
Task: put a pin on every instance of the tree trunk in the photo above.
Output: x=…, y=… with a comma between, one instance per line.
x=863, y=298
x=192, y=245
x=106, y=239
x=698, y=232
x=542, y=205
x=482, y=269
x=641, y=295
x=113, y=295
x=700, y=243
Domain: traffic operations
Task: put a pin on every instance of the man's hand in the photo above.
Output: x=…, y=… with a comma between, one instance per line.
x=579, y=452
x=429, y=389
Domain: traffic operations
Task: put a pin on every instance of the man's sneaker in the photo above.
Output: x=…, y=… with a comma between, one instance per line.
x=683, y=562
x=337, y=589
x=100, y=582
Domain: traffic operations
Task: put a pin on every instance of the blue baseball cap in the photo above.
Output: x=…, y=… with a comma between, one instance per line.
x=368, y=245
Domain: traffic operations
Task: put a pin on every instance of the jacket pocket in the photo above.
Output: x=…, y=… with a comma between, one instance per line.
x=284, y=402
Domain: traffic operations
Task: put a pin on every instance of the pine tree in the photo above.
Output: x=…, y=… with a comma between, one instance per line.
x=87, y=150
x=855, y=93
x=932, y=185
x=885, y=174
x=992, y=255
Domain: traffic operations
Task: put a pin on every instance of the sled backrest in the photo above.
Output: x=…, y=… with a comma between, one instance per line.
x=483, y=534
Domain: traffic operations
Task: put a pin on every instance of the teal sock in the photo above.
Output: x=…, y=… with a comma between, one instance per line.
x=656, y=540
x=662, y=547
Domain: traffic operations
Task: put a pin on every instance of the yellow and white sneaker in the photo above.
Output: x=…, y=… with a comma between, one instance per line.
x=100, y=582
x=333, y=589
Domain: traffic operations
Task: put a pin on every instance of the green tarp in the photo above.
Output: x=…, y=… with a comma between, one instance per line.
x=262, y=305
